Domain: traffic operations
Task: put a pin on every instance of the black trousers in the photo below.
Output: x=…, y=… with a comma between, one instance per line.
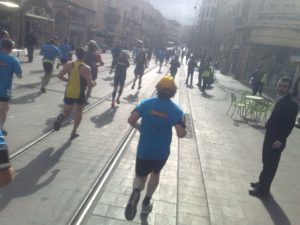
x=260, y=89
x=255, y=87
x=270, y=160
x=30, y=50
x=190, y=74
x=205, y=83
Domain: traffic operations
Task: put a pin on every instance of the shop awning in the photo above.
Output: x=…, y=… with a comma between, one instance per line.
x=39, y=17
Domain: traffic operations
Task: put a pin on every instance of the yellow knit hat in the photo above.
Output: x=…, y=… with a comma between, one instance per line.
x=167, y=82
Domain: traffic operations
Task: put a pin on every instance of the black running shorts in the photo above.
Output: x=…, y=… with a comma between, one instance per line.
x=48, y=67
x=143, y=167
x=72, y=101
x=139, y=70
x=63, y=61
x=4, y=99
x=119, y=79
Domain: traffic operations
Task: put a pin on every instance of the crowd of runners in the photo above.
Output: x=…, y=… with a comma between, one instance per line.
x=80, y=76
x=158, y=114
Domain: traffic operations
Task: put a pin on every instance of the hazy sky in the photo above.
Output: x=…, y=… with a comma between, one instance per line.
x=180, y=10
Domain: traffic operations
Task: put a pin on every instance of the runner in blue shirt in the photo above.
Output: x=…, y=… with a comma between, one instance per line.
x=9, y=66
x=50, y=53
x=159, y=114
x=65, y=50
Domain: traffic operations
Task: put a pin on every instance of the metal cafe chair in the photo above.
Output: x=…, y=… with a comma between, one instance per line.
x=236, y=105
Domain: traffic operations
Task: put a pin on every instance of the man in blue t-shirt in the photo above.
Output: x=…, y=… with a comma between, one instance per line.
x=9, y=66
x=159, y=114
x=65, y=51
x=50, y=53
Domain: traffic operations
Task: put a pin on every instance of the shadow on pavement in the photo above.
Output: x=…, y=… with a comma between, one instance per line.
x=37, y=71
x=28, y=179
x=205, y=95
x=258, y=127
x=238, y=122
x=25, y=99
x=49, y=124
x=108, y=78
x=105, y=118
x=23, y=86
x=277, y=215
x=132, y=98
x=190, y=86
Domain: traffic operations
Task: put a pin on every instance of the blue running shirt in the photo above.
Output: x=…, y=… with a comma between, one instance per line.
x=65, y=50
x=158, y=117
x=8, y=66
x=50, y=53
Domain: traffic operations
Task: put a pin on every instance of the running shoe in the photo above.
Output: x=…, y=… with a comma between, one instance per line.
x=146, y=209
x=74, y=135
x=130, y=210
x=118, y=101
x=58, y=122
x=139, y=87
x=132, y=87
x=113, y=104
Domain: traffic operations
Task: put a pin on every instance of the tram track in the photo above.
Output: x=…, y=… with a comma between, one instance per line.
x=42, y=137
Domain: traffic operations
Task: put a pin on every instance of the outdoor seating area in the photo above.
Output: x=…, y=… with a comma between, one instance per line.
x=253, y=109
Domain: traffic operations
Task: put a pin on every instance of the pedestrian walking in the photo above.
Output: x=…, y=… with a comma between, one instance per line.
x=175, y=64
x=3, y=36
x=255, y=79
x=278, y=128
x=30, y=43
x=141, y=63
x=167, y=56
x=296, y=96
x=190, y=71
x=115, y=52
x=206, y=76
x=159, y=114
x=203, y=65
x=149, y=55
x=262, y=83
x=50, y=52
x=187, y=56
x=7, y=172
x=93, y=60
x=161, y=57
x=182, y=56
x=122, y=64
x=9, y=65
x=79, y=75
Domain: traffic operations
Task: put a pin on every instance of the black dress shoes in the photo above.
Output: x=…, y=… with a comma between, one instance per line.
x=254, y=184
x=257, y=192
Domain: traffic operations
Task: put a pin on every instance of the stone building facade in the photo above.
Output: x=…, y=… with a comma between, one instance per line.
x=109, y=22
x=47, y=18
x=258, y=33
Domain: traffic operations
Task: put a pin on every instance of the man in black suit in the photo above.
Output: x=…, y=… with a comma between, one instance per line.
x=278, y=128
